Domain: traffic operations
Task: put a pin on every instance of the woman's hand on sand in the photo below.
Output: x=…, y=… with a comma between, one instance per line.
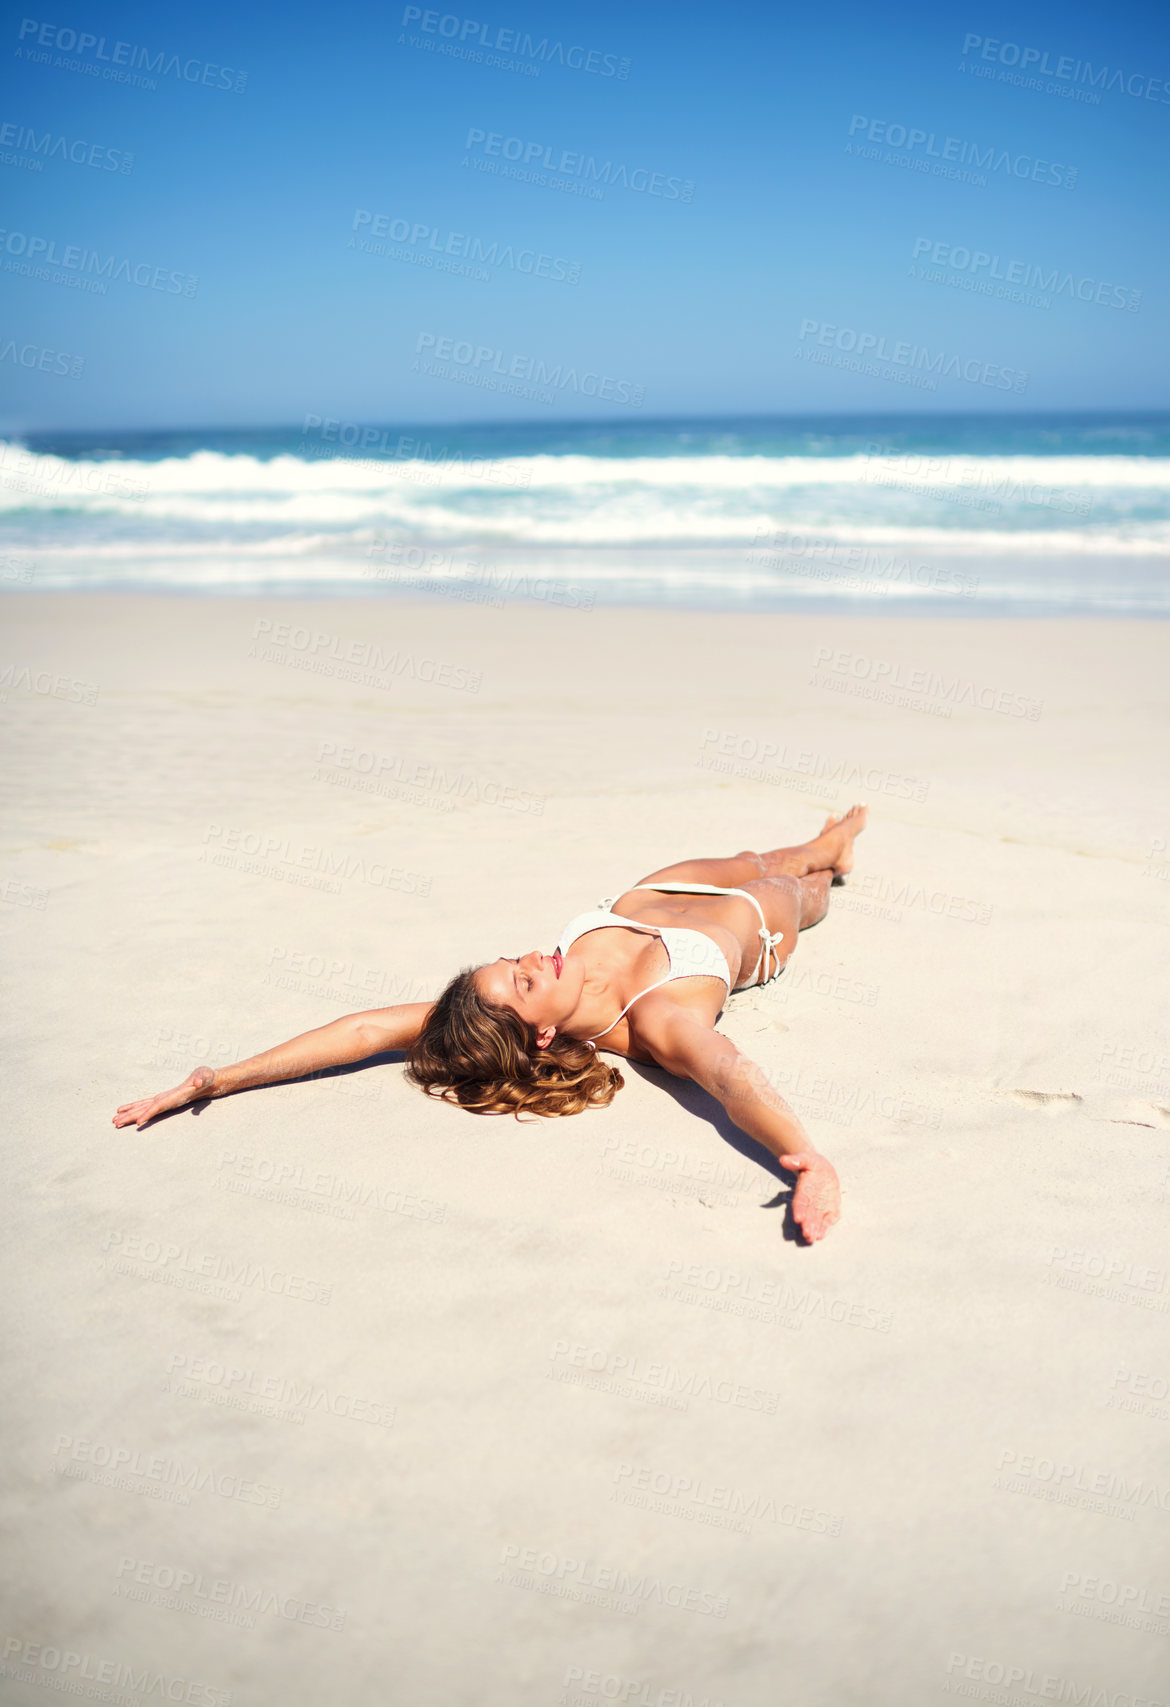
x=816, y=1201
x=197, y=1084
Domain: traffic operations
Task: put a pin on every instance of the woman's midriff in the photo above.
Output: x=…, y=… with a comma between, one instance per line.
x=730, y=921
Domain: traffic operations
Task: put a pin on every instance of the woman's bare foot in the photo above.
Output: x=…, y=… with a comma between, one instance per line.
x=831, y=851
x=836, y=839
x=196, y=1085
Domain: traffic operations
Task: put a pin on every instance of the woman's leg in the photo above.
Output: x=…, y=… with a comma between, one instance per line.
x=790, y=885
x=792, y=904
x=831, y=851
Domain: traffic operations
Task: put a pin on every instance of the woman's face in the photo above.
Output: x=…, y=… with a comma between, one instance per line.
x=542, y=988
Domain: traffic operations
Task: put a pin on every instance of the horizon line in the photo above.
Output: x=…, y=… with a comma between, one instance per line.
x=16, y=433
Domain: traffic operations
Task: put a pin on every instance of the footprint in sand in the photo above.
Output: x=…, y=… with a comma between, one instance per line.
x=1152, y=1114
x=1052, y=1102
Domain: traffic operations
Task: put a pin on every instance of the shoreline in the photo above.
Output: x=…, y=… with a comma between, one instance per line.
x=584, y=600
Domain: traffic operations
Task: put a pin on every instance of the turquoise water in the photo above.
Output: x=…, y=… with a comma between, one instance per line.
x=1026, y=514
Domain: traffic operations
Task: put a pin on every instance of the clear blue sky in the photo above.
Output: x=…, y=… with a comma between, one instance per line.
x=700, y=302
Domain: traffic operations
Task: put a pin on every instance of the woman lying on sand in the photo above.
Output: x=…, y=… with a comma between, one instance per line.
x=520, y=1035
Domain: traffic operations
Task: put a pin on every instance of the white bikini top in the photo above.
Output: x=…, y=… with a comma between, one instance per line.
x=689, y=954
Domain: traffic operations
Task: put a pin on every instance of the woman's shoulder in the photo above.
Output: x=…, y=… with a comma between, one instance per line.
x=663, y=1016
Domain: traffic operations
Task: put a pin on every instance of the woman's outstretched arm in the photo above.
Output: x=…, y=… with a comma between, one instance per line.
x=351, y=1038
x=691, y=1050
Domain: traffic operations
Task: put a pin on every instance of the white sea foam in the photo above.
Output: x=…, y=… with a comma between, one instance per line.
x=213, y=518
x=211, y=474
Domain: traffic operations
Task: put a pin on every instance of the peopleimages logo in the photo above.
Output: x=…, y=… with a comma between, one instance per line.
x=461, y=244
x=986, y=157
x=45, y=361
x=1047, y=1686
x=217, y=1597
x=885, y=678
x=534, y=1562
x=126, y=53
x=527, y=157
x=72, y=1672
x=963, y=259
x=458, y=32
x=40, y=253
x=872, y=347
x=1070, y=70
x=49, y=147
x=483, y=359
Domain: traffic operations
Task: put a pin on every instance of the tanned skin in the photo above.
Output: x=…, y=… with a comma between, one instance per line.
x=578, y=996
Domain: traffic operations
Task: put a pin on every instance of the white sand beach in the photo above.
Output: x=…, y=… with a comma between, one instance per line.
x=327, y=1394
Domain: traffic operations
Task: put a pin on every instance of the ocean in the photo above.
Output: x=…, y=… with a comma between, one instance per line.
x=1026, y=515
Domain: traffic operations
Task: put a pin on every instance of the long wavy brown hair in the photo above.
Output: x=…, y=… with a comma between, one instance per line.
x=485, y=1057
